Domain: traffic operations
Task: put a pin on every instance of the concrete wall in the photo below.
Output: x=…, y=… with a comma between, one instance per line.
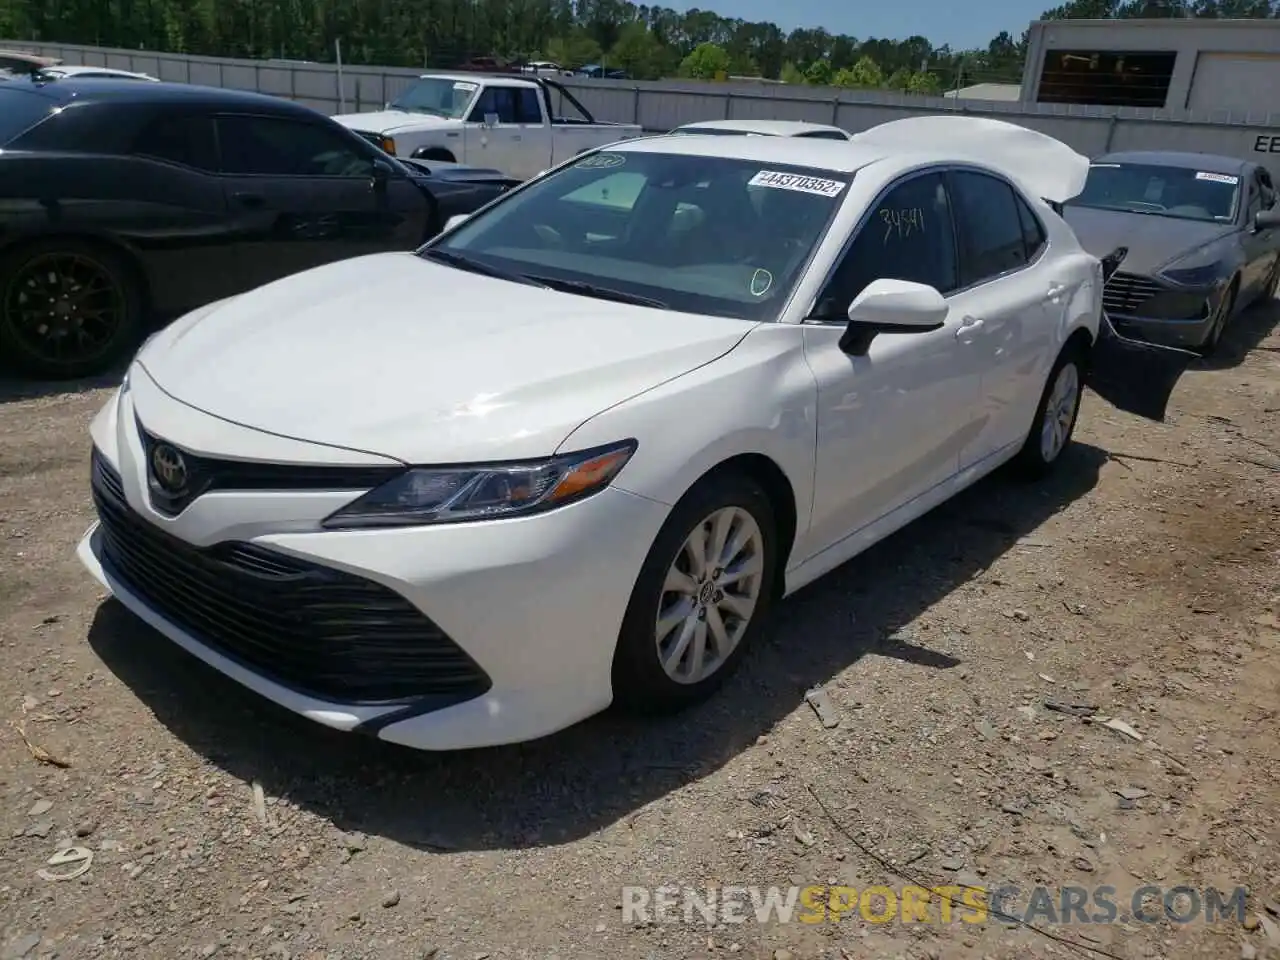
x=663, y=105
x=1196, y=42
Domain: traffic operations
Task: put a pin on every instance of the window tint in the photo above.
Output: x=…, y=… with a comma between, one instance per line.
x=185, y=140
x=19, y=111
x=511, y=104
x=907, y=237
x=1033, y=238
x=617, y=191
x=270, y=146
x=990, y=228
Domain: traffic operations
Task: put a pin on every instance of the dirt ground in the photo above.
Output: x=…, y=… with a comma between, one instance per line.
x=1142, y=582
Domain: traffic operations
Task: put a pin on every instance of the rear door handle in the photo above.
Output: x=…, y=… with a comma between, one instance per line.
x=249, y=199
x=1056, y=290
x=969, y=325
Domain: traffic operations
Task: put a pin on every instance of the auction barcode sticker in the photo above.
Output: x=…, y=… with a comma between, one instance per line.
x=798, y=182
x=1217, y=177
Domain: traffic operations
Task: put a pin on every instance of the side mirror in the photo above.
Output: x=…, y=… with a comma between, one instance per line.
x=455, y=220
x=892, y=306
x=490, y=119
x=1266, y=219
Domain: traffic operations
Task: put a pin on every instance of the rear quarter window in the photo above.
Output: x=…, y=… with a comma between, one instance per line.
x=20, y=110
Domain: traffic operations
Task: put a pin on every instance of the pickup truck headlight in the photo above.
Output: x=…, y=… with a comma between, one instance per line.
x=432, y=495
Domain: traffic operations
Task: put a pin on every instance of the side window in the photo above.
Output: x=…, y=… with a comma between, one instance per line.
x=907, y=237
x=275, y=147
x=185, y=140
x=990, y=229
x=1268, y=189
x=528, y=106
x=503, y=101
x=1033, y=238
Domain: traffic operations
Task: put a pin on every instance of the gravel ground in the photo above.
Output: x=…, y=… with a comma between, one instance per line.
x=1143, y=582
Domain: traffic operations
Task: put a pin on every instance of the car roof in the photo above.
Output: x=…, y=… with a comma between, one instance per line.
x=1208, y=162
x=127, y=89
x=478, y=78
x=835, y=155
x=776, y=128
x=72, y=70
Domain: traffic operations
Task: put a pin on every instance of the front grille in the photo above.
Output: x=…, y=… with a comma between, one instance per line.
x=1125, y=293
x=317, y=630
x=204, y=474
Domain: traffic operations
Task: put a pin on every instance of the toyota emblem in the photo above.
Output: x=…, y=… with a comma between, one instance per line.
x=169, y=468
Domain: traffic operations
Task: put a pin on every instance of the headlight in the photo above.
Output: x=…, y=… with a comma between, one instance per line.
x=1194, y=276
x=430, y=495
x=388, y=144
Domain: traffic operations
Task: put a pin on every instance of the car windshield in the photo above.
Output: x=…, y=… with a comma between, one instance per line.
x=19, y=111
x=708, y=235
x=1180, y=192
x=439, y=96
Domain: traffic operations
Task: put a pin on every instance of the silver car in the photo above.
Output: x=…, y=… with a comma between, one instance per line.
x=1201, y=231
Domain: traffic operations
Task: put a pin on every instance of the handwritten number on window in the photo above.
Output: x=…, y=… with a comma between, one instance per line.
x=901, y=223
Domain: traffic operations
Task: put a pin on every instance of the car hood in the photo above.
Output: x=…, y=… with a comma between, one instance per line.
x=1153, y=241
x=456, y=172
x=389, y=121
x=394, y=355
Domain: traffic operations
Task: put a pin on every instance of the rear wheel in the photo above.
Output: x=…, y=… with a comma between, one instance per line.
x=1055, y=420
x=702, y=596
x=67, y=309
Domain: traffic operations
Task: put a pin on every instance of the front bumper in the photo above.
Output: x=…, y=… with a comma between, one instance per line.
x=1156, y=312
x=534, y=604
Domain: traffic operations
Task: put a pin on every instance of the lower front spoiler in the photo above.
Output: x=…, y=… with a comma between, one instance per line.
x=432, y=723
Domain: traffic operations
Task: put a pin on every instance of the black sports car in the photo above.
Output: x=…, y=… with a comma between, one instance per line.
x=125, y=203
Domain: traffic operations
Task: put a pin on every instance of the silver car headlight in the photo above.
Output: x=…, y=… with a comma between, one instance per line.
x=1190, y=273
x=432, y=495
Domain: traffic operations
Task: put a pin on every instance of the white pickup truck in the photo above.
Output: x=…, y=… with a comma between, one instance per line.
x=505, y=124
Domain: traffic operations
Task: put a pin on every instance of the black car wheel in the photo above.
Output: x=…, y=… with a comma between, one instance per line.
x=66, y=310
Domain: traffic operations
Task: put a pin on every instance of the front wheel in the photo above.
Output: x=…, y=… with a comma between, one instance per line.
x=1055, y=419
x=702, y=596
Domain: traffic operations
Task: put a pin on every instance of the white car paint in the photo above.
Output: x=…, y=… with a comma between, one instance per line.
x=518, y=149
x=767, y=128
x=94, y=73
x=454, y=367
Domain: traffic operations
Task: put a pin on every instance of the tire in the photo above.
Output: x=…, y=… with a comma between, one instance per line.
x=99, y=304
x=1039, y=455
x=433, y=153
x=641, y=683
x=1213, y=339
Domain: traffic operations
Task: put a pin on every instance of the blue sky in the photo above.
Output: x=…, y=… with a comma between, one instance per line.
x=962, y=25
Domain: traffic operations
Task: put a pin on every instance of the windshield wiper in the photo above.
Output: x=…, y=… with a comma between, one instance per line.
x=601, y=293
x=475, y=266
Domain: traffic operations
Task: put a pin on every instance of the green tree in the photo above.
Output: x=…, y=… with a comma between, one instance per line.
x=791, y=73
x=867, y=74
x=639, y=52
x=924, y=83
x=898, y=80
x=705, y=62
x=818, y=73
x=577, y=49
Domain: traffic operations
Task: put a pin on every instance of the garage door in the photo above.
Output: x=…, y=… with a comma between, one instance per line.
x=1236, y=81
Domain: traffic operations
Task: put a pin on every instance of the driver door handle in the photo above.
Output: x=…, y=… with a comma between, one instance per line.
x=1056, y=290
x=968, y=326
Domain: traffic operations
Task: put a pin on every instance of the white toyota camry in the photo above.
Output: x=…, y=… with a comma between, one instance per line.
x=570, y=453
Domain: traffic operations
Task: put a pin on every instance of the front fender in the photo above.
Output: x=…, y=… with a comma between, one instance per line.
x=760, y=398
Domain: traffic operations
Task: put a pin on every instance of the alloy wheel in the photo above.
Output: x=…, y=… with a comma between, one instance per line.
x=1060, y=412
x=709, y=595
x=64, y=308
